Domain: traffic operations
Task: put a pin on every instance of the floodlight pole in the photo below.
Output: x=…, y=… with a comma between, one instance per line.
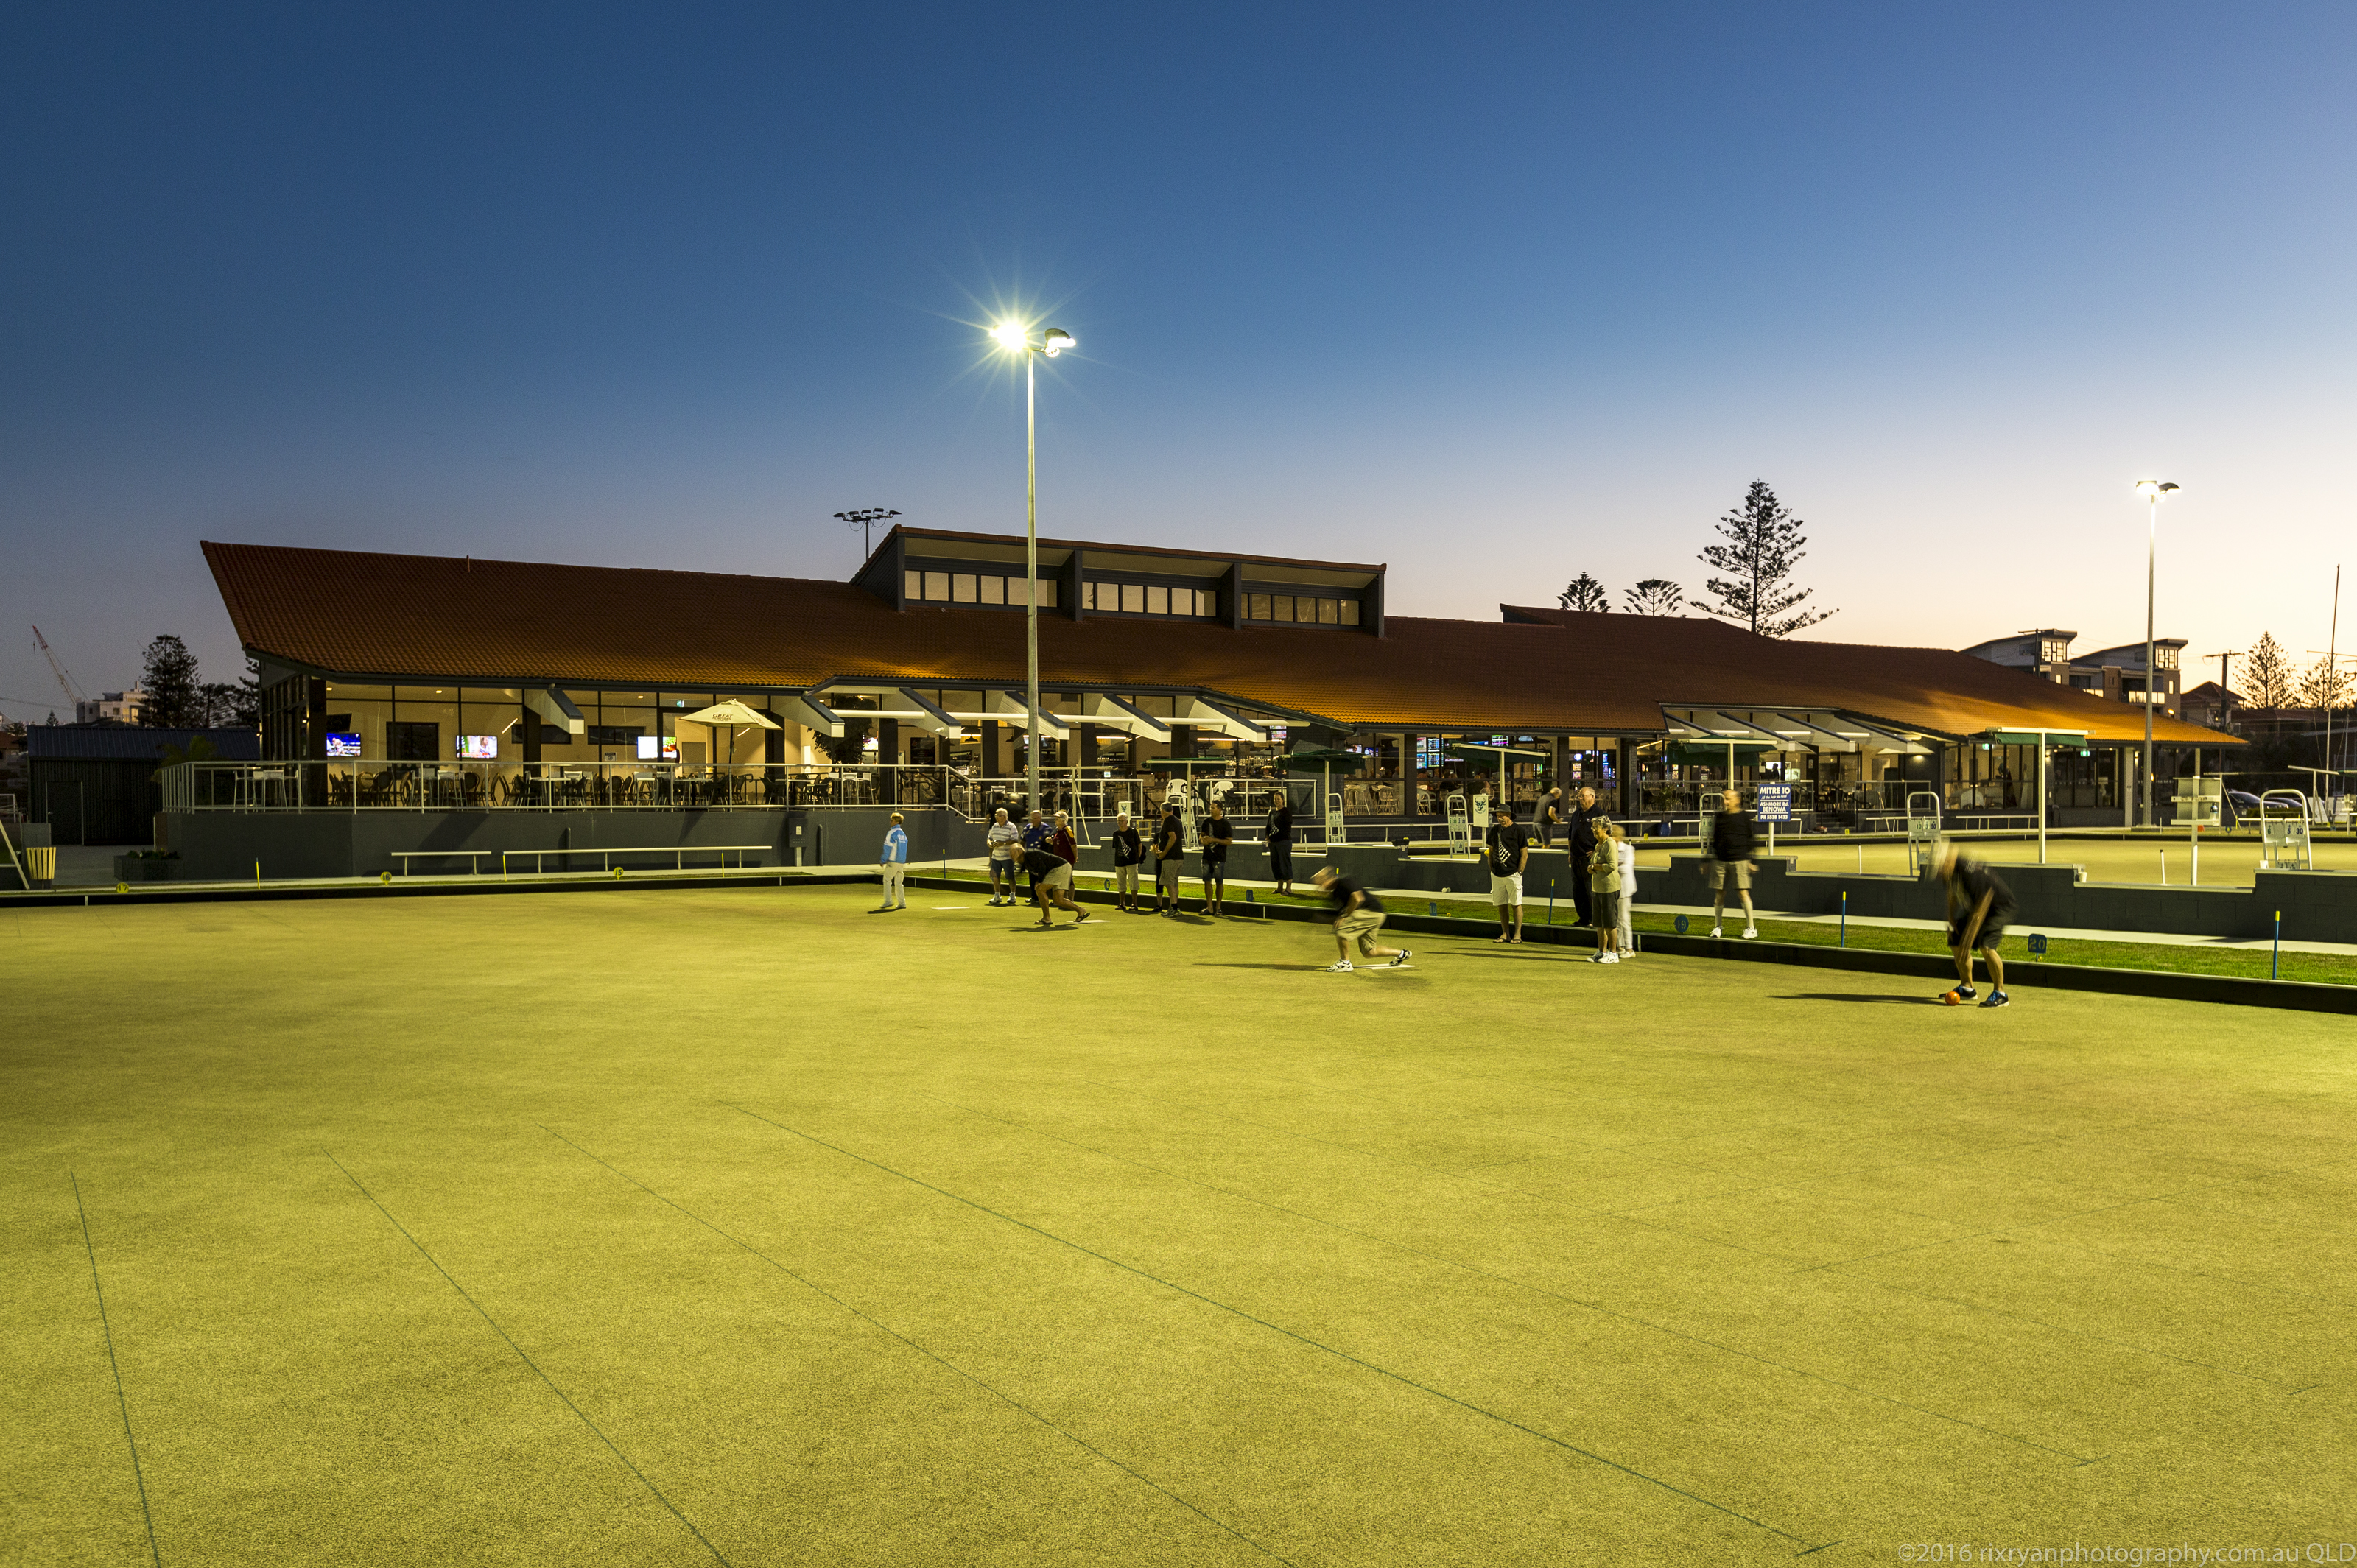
x=2151, y=674
x=1031, y=562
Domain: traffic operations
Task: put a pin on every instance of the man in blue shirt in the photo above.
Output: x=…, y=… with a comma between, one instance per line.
x=894, y=863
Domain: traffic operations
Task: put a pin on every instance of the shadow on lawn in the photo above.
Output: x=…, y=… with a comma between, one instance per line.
x=1852, y=996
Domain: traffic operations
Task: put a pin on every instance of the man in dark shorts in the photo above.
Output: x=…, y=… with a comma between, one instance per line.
x=1358, y=917
x=1217, y=835
x=1979, y=908
x=1279, y=835
x=1051, y=885
x=1170, y=856
x=1583, y=849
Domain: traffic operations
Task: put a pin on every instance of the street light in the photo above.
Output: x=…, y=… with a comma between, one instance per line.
x=1015, y=338
x=2152, y=490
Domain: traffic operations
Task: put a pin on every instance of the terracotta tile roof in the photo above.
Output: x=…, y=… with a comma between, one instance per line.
x=500, y=622
x=1698, y=661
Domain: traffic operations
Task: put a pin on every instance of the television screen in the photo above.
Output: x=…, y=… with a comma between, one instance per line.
x=478, y=747
x=658, y=748
x=342, y=745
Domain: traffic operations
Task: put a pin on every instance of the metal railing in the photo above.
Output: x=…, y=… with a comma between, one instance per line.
x=361, y=784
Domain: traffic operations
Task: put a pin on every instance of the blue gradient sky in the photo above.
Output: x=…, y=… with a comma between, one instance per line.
x=1495, y=295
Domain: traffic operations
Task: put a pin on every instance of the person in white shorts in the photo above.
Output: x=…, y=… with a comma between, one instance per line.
x=1507, y=854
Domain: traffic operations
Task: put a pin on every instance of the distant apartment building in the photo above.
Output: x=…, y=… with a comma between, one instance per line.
x=112, y=707
x=2118, y=674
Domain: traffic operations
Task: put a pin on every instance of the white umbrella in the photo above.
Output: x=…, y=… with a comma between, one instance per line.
x=734, y=715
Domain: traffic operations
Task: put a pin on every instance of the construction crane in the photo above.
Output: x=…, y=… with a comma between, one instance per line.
x=73, y=693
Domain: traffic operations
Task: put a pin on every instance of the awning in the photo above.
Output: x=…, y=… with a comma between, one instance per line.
x=899, y=703
x=555, y=708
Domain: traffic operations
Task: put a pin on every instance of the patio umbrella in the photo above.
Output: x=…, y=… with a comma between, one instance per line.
x=732, y=714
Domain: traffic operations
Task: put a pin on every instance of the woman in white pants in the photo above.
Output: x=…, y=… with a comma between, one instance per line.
x=1625, y=852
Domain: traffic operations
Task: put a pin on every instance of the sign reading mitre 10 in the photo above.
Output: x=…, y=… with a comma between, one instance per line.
x=1775, y=802
x=2200, y=802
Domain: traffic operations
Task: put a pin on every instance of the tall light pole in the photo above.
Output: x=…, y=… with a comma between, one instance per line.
x=2152, y=490
x=1014, y=337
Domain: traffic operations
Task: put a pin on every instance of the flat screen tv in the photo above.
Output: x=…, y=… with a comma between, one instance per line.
x=341, y=744
x=478, y=747
x=658, y=748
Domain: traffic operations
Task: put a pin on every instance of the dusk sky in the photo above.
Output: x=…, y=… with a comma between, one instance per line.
x=1493, y=294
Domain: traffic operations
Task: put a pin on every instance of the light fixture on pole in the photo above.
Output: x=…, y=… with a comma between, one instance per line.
x=864, y=518
x=1015, y=338
x=2152, y=490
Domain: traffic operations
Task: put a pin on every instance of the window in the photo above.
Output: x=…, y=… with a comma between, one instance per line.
x=2166, y=656
x=1350, y=612
x=913, y=585
x=1256, y=606
x=1157, y=600
x=1330, y=613
x=1048, y=592
x=937, y=585
x=1207, y=603
x=1133, y=599
x=2053, y=651
x=994, y=590
x=961, y=587
x=1282, y=604
x=1088, y=595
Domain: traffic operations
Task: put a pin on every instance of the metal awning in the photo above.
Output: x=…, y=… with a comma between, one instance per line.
x=555, y=708
x=899, y=703
x=1211, y=716
x=1106, y=711
x=810, y=712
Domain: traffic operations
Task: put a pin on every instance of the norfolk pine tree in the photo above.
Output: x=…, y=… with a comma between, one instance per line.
x=2267, y=672
x=1585, y=594
x=1763, y=545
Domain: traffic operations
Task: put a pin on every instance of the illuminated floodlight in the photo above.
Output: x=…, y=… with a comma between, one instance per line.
x=1057, y=341
x=1011, y=335
x=2153, y=489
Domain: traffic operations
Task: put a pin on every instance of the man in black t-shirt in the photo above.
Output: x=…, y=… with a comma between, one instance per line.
x=1583, y=849
x=1218, y=834
x=1508, y=853
x=1979, y=908
x=1169, y=852
x=1358, y=916
x=1279, y=834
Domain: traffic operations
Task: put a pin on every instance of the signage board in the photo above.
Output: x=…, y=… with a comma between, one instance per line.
x=1775, y=802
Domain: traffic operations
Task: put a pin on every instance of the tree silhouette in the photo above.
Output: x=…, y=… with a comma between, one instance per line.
x=1585, y=594
x=1655, y=597
x=2321, y=685
x=169, y=678
x=2267, y=672
x=1763, y=545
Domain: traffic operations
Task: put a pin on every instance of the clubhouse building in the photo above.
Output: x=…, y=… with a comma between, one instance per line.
x=426, y=683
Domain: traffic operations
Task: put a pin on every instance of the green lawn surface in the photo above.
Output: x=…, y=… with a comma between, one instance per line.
x=746, y=1226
